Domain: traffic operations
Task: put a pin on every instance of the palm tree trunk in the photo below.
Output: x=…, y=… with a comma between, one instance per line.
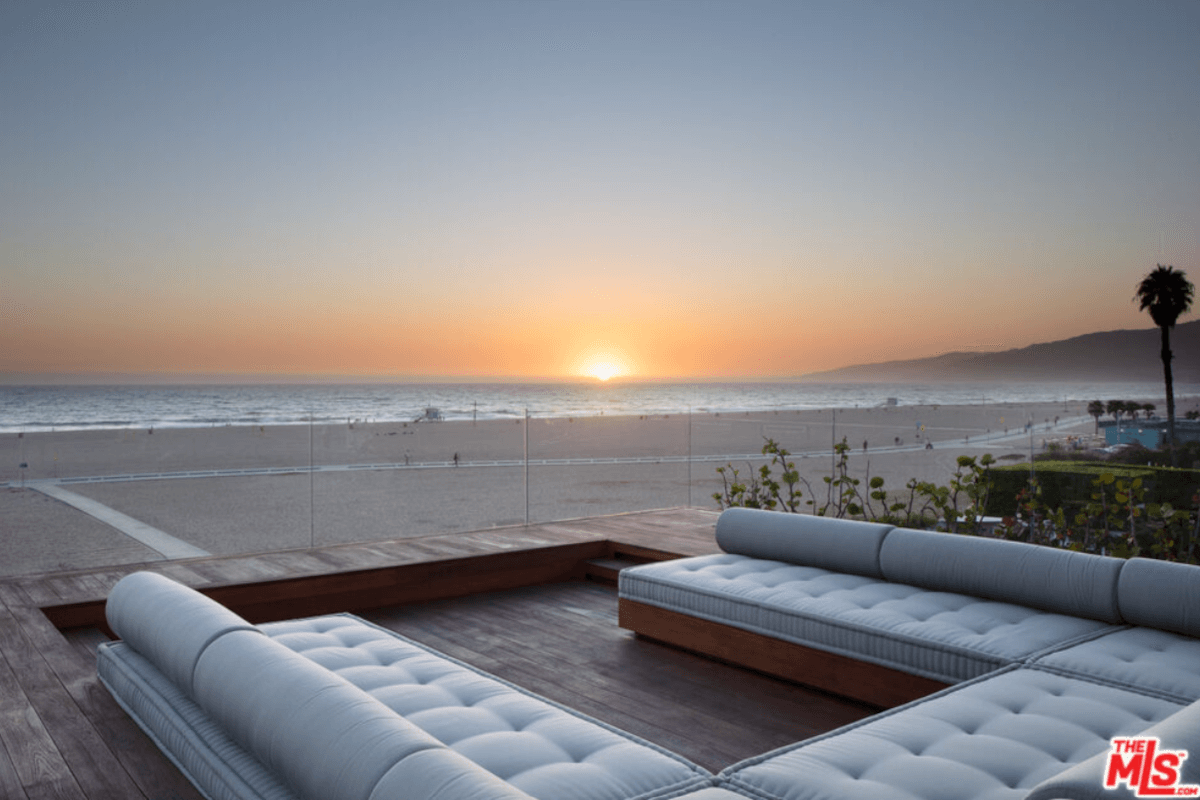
x=1167, y=378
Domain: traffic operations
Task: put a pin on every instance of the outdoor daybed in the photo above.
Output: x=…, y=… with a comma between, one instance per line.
x=1048, y=654
x=334, y=707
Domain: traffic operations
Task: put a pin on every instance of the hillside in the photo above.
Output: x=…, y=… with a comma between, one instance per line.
x=1118, y=356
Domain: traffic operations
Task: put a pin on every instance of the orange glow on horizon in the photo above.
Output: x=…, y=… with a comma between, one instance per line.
x=347, y=334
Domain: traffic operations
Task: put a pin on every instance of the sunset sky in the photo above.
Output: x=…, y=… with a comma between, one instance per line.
x=510, y=189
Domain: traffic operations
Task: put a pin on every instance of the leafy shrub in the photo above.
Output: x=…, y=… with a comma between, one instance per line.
x=957, y=506
x=1122, y=511
x=1069, y=484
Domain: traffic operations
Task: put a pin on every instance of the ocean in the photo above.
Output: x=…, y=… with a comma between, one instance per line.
x=50, y=408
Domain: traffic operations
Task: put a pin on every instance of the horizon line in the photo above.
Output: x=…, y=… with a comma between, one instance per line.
x=198, y=378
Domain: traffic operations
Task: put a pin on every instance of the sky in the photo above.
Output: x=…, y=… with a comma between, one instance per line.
x=512, y=190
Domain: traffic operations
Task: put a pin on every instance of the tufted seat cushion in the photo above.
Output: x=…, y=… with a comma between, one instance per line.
x=539, y=747
x=1085, y=781
x=940, y=635
x=1145, y=659
x=991, y=739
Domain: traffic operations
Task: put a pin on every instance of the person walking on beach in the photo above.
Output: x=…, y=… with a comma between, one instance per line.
x=456, y=459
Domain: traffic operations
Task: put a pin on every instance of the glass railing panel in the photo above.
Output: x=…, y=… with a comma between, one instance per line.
x=395, y=480
x=100, y=496
x=590, y=466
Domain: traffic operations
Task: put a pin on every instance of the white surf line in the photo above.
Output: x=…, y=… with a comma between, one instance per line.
x=163, y=543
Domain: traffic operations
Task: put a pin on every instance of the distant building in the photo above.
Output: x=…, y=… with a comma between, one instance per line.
x=1150, y=433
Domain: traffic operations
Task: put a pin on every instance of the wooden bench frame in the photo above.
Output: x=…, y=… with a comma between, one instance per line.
x=870, y=683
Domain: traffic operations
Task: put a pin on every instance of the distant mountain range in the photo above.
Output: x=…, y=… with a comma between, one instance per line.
x=1111, y=356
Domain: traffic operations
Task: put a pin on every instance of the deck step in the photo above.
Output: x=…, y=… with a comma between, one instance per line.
x=606, y=570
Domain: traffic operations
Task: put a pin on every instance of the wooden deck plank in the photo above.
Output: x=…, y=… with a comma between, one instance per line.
x=39, y=590
x=682, y=532
x=83, y=720
x=107, y=753
x=563, y=642
x=150, y=770
x=41, y=729
x=609, y=704
x=10, y=781
x=37, y=766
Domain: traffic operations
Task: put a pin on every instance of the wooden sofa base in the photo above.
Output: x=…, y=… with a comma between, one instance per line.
x=869, y=683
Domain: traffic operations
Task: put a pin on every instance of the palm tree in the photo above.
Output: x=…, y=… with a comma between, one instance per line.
x=1166, y=293
x=1096, y=409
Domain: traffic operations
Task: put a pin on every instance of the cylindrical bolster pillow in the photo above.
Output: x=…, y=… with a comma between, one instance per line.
x=841, y=545
x=325, y=737
x=1085, y=780
x=1060, y=581
x=168, y=623
x=1160, y=594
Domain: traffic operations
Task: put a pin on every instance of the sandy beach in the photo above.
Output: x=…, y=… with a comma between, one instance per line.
x=382, y=481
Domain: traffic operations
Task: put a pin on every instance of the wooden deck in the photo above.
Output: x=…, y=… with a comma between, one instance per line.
x=514, y=601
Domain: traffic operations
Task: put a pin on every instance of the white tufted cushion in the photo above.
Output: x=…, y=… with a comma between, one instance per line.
x=940, y=635
x=537, y=746
x=1143, y=658
x=992, y=739
x=442, y=774
x=1085, y=781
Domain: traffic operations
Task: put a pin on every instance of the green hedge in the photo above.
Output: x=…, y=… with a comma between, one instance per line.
x=1070, y=484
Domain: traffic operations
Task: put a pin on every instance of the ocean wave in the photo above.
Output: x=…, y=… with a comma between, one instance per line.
x=72, y=408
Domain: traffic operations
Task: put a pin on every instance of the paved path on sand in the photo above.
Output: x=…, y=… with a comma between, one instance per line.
x=163, y=543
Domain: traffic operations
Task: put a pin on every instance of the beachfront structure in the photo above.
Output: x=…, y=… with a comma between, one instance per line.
x=1149, y=433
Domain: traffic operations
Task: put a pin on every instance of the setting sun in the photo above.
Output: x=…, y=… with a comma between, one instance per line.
x=603, y=370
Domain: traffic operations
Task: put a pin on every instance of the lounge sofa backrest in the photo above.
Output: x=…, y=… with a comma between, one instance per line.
x=326, y=737
x=834, y=544
x=168, y=623
x=1160, y=594
x=1046, y=578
